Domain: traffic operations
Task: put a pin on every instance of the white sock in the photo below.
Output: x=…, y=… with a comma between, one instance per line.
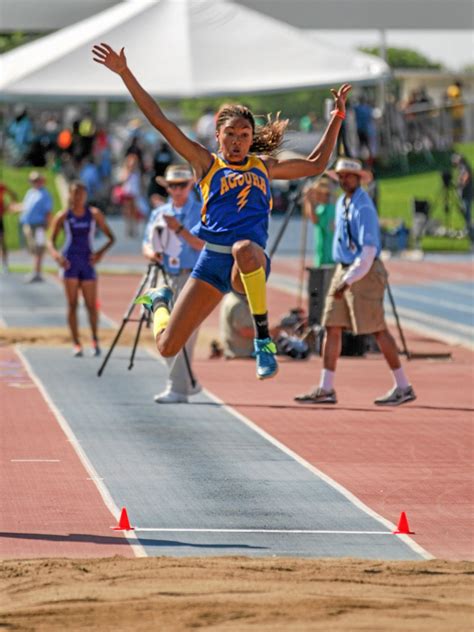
x=327, y=380
x=400, y=378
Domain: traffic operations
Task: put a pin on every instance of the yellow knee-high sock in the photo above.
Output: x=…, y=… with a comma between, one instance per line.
x=160, y=319
x=255, y=289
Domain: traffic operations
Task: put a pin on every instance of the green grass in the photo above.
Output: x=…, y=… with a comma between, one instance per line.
x=17, y=179
x=396, y=199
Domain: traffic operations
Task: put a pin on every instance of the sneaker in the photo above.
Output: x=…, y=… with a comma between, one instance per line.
x=77, y=351
x=396, y=396
x=171, y=397
x=154, y=297
x=265, y=351
x=34, y=278
x=317, y=396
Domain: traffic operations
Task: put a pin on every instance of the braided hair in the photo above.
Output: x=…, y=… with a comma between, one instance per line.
x=266, y=138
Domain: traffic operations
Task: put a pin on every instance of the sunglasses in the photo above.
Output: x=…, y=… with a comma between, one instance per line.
x=178, y=185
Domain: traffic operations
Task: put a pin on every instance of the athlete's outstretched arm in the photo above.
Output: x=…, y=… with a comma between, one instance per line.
x=193, y=152
x=317, y=161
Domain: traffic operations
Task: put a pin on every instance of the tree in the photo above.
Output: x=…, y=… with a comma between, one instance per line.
x=404, y=58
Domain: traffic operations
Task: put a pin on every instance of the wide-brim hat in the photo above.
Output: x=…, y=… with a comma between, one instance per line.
x=350, y=165
x=175, y=174
x=34, y=176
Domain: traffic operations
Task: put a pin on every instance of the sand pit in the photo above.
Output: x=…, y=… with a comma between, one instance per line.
x=233, y=594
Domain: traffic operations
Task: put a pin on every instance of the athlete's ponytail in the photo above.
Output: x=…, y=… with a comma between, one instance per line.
x=266, y=138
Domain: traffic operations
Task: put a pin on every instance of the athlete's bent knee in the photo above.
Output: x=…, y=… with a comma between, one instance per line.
x=244, y=252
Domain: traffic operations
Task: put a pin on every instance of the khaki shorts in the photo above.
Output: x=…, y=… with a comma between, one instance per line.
x=361, y=307
x=35, y=236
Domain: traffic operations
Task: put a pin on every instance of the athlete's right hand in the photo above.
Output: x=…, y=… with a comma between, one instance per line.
x=63, y=262
x=105, y=55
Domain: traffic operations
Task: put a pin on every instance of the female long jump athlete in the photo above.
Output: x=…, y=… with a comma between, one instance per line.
x=235, y=186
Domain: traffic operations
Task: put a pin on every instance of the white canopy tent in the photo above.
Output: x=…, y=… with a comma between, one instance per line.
x=181, y=48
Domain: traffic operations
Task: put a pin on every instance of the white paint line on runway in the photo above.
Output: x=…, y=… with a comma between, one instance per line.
x=35, y=461
x=137, y=548
x=282, y=531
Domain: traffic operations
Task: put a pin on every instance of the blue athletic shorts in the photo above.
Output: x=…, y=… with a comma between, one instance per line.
x=81, y=269
x=215, y=268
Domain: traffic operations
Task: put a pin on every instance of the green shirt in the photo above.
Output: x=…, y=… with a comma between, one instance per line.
x=324, y=234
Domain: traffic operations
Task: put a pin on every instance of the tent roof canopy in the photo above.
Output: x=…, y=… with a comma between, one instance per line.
x=47, y=15
x=184, y=48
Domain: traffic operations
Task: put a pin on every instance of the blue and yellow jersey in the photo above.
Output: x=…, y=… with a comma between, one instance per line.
x=236, y=202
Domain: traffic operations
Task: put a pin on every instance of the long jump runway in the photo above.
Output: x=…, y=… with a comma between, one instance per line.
x=196, y=479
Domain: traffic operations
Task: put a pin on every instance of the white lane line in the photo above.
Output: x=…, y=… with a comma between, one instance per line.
x=430, y=332
x=137, y=548
x=283, y=531
x=454, y=289
x=324, y=477
x=35, y=461
x=420, y=298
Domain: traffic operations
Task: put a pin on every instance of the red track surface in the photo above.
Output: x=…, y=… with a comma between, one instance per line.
x=47, y=509
x=416, y=458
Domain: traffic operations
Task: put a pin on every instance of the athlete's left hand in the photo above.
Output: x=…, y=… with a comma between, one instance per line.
x=95, y=257
x=341, y=288
x=340, y=96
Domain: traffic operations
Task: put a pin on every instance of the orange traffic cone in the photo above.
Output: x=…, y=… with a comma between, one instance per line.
x=123, y=523
x=403, y=526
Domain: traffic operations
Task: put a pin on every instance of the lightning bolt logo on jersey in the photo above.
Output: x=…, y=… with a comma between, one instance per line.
x=237, y=201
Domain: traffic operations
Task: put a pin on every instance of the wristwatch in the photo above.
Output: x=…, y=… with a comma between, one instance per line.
x=179, y=229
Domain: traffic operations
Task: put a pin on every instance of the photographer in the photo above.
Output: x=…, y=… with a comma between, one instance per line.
x=465, y=189
x=168, y=242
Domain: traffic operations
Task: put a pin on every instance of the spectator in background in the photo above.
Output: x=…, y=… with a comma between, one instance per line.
x=364, y=114
x=135, y=149
x=157, y=194
x=318, y=208
x=454, y=101
x=20, y=134
x=465, y=189
x=90, y=177
x=35, y=218
x=87, y=130
x=3, y=209
x=128, y=192
x=372, y=188
x=206, y=129
x=236, y=326
x=308, y=122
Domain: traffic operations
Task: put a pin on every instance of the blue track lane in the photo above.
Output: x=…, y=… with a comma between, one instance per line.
x=198, y=466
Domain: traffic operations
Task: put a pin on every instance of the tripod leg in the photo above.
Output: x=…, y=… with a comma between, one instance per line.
x=397, y=320
x=125, y=320
x=137, y=338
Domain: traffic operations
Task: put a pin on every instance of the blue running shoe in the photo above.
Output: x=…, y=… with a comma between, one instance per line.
x=265, y=351
x=154, y=297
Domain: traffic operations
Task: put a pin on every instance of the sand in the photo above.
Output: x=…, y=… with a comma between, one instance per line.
x=236, y=593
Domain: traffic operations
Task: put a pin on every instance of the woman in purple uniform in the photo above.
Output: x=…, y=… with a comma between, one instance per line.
x=77, y=259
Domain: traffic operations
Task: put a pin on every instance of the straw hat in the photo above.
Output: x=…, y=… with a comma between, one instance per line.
x=350, y=165
x=175, y=173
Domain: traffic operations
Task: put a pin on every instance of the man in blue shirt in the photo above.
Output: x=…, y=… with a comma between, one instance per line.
x=355, y=297
x=35, y=216
x=168, y=241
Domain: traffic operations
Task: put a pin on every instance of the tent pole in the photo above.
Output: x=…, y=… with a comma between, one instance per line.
x=102, y=111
